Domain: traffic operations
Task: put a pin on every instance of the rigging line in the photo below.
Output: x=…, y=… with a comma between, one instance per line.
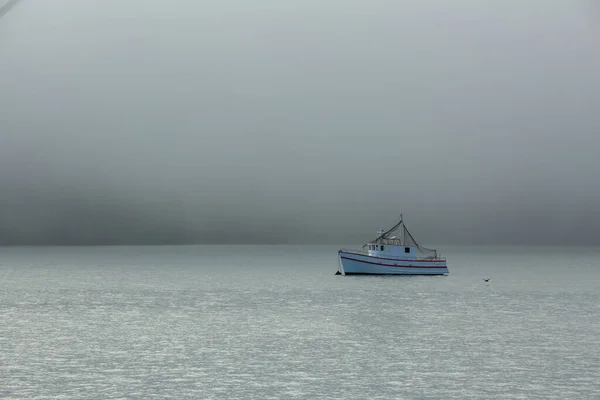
x=392, y=229
x=7, y=7
x=383, y=235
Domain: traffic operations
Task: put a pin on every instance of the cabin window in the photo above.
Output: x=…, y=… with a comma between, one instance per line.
x=407, y=249
x=381, y=248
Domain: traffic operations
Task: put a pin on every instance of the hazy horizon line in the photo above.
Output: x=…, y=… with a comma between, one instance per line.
x=355, y=245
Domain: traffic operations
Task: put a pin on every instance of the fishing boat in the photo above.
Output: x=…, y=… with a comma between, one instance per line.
x=392, y=255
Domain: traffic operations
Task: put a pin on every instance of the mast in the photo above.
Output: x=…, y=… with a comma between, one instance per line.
x=402, y=238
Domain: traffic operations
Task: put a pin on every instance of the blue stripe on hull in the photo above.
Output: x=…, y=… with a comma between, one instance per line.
x=352, y=266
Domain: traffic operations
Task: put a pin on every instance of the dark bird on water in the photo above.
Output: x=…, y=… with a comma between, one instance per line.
x=487, y=280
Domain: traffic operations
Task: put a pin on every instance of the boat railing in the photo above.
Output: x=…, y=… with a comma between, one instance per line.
x=393, y=242
x=362, y=252
x=366, y=253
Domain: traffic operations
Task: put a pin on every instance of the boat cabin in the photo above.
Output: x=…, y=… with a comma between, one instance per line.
x=382, y=249
x=402, y=247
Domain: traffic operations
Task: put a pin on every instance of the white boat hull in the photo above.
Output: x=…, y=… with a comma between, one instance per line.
x=352, y=263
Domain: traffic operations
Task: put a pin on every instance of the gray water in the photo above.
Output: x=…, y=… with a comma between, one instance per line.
x=274, y=322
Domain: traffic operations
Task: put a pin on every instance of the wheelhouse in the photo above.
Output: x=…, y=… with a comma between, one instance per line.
x=394, y=250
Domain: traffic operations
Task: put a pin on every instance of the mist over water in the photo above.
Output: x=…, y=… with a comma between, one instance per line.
x=303, y=122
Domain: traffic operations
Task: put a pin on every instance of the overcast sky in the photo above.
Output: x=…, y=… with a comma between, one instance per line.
x=130, y=121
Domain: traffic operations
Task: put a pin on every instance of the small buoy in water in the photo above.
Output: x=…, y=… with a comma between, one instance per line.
x=338, y=273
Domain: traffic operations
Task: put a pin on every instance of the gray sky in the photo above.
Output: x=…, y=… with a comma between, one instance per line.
x=129, y=121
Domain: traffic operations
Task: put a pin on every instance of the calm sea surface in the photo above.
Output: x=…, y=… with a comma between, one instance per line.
x=274, y=322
